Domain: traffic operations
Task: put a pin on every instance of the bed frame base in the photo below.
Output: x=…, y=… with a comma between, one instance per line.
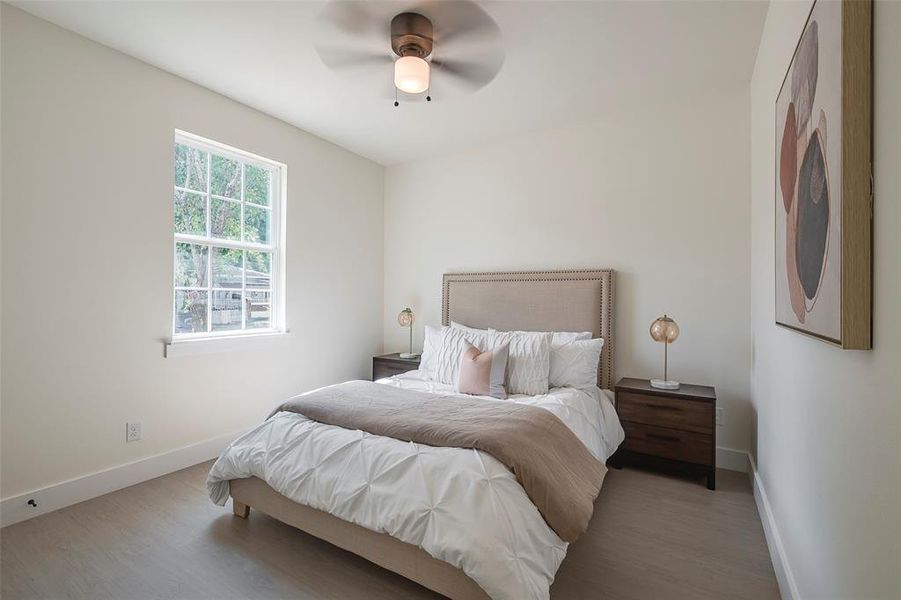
x=390, y=553
x=241, y=509
x=567, y=300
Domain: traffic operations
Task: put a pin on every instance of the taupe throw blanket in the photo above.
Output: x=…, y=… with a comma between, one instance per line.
x=556, y=470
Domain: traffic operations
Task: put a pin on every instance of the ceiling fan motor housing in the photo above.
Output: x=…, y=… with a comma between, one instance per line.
x=411, y=35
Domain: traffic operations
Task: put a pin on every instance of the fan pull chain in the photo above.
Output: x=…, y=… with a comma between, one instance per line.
x=428, y=96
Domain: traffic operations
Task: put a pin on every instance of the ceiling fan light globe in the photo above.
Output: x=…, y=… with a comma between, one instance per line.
x=411, y=74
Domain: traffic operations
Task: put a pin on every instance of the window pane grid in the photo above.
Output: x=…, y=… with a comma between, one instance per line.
x=254, y=296
x=243, y=282
x=208, y=170
x=225, y=199
x=244, y=302
x=209, y=281
x=242, y=226
x=179, y=188
x=187, y=238
x=221, y=289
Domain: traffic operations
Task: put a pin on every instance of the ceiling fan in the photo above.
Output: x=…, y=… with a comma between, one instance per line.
x=451, y=45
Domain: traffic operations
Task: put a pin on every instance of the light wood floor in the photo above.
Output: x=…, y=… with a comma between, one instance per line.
x=652, y=536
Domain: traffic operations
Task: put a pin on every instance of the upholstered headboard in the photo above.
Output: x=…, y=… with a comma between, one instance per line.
x=580, y=300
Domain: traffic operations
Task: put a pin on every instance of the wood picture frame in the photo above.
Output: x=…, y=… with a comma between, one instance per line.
x=823, y=183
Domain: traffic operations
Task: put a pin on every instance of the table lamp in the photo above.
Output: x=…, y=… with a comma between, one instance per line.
x=405, y=319
x=664, y=330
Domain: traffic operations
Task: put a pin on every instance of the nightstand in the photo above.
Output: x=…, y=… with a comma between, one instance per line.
x=668, y=428
x=392, y=364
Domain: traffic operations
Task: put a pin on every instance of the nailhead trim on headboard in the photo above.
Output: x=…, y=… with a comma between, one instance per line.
x=605, y=310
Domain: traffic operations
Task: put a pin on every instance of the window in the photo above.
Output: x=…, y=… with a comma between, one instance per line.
x=228, y=241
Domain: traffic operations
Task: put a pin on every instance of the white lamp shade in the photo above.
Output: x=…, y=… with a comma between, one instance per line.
x=411, y=74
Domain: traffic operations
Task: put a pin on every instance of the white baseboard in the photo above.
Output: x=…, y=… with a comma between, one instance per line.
x=784, y=576
x=73, y=491
x=732, y=460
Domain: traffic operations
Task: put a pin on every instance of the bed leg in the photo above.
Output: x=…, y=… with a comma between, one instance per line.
x=241, y=509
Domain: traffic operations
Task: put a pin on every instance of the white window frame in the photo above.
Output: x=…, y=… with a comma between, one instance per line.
x=278, y=202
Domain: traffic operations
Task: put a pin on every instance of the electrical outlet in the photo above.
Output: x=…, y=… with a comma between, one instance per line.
x=133, y=431
x=720, y=419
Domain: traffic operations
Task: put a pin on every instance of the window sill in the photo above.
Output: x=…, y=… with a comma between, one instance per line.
x=225, y=343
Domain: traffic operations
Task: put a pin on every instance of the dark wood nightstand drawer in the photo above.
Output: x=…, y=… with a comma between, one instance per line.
x=392, y=364
x=667, y=428
x=668, y=443
x=385, y=369
x=665, y=412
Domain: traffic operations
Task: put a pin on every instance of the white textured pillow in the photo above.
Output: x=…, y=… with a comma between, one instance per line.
x=557, y=337
x=453, y=342
x=559, y=354
x=529, y=363
x=430, y=344
x=466, y=328
x=575, y=364
x=565, y=337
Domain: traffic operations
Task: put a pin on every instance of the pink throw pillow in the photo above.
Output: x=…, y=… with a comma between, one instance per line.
x=483, y=373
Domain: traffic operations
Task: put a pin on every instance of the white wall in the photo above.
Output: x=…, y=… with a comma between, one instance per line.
x=660, y=194
x=828, y=420
x=87, y=261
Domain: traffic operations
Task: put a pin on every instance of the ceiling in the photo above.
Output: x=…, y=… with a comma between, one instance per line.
x=564, y=62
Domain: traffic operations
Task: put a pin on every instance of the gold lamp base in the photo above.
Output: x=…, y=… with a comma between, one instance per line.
x=666, y=331
x=661, y=384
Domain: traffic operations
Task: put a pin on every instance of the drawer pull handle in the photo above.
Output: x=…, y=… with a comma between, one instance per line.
x=666, y=438
x=663, y=407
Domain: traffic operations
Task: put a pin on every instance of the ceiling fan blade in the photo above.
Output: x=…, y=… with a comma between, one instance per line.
x=353, y=17
x=471, y=74
x=461, y=22
x=343, y=58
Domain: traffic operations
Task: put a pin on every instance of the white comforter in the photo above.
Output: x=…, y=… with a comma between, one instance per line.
x=461, y=506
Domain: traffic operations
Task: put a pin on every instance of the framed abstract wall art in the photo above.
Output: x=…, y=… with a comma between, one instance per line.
x=823, y=178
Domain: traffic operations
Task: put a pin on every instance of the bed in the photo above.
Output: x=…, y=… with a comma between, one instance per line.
x=454, y=520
